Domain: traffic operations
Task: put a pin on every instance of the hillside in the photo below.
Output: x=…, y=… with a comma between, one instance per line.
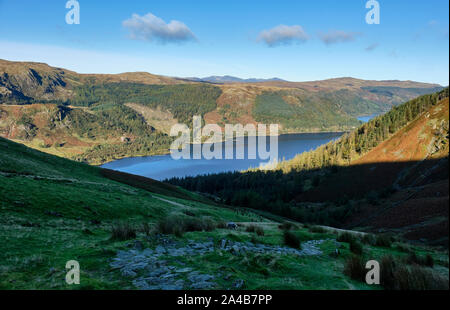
x=405, y=181
x=151, y=104
x=136, y=233
x=396, y=160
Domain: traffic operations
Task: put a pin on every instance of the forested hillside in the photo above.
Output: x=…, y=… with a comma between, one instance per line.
x=97, y=135
x=327, y=185
x=183, y=101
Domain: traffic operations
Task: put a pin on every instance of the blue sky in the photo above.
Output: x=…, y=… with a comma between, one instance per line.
x=322, y=39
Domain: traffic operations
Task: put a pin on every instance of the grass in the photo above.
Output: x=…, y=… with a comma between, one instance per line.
x=398, y=276
x=99, y=216
x=255, y=229
x=383, y=241
x=177, y=225
x=355, y=268
x=356, y=247
x=123, y=231
x=291, y=240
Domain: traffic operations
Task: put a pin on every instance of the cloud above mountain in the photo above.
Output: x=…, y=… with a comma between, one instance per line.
x=152, y=28
x=283, y=35
x=338, y=36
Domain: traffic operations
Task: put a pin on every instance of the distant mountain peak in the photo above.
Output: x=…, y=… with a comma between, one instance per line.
x=231, y=79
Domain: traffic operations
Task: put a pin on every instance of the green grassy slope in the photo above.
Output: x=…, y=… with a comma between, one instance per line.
x=53, y=210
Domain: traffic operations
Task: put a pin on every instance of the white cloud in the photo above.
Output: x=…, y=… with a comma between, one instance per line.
x=283, y=35
x=152, y=28
x=338, y=36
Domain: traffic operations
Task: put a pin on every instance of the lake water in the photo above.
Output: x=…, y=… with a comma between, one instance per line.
x=366, y=119
x=164, y=167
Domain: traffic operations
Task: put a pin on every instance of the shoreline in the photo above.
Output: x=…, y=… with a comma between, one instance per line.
x=222, y=141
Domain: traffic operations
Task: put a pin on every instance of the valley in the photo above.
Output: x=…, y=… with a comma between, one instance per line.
x=59, y=111
x=380, y=191
x=129, y=232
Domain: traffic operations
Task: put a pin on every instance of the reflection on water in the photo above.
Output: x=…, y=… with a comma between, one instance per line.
x=164, y=167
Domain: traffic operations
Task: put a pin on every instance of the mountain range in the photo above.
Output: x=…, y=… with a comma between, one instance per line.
x=101, y=117
x=231, y=79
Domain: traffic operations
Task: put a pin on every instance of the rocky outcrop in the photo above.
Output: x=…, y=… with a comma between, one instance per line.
x=149, y=269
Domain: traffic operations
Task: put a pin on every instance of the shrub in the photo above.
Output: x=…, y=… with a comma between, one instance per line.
x=189, y=213
x=317, y=229
x=259, y=231
x=145, y=228
x=221, y=225
x=413, y=259
x=255, y=229
x=369, y=239
x=291, y=239
x=354, y=268
x=250, y=228
x=123, y=231
x=383, y=241
x=178, y=225
x=429, y=261
x=356, y=247
x=373, y=198
x=345, y=237
x=397, y=276
x=287, y=226
x=404, y=248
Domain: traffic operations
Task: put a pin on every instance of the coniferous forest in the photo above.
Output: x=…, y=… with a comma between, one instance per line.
x=276, y=190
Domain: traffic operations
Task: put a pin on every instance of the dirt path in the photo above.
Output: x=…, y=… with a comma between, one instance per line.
x=171, y=202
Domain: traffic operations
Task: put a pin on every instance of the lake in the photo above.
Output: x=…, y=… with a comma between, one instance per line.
x=164, y=167
x=366, y=119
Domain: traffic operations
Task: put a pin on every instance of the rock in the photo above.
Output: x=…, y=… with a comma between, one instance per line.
x=128, y=273
x=232, y=225
x=238, y=284
x=171, y=287
x=138, y=245
x=195, y=277
x=158, y=272
x=160, y=250
x=147, y=252
x=138, y=266
x=202, y=285
x=183, y=270
x=235, y=250
x=223, y=243
x=125, y=139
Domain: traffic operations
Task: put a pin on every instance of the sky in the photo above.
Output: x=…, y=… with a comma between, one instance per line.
x=293, y=40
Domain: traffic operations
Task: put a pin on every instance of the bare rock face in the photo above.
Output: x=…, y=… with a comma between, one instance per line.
x=24, y=83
